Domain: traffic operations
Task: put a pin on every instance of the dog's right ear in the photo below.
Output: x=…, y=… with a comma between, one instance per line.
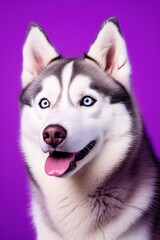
x=37, y=53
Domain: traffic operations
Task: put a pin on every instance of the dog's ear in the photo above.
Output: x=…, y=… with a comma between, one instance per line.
x=109, y=50
x=37, y=53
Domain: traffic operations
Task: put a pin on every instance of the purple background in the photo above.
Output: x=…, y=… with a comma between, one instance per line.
x=71, y=26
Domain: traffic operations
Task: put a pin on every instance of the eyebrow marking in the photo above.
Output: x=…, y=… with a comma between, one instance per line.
x=54, y=59
x=90, y=58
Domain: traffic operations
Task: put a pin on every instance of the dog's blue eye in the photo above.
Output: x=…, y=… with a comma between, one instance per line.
x=87, y=101
x=44, y=103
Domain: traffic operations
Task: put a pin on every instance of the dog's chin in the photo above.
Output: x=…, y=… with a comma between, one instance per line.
x=63, y=164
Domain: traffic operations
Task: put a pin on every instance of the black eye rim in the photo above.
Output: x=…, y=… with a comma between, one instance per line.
x=40, y=102
x=87, y=96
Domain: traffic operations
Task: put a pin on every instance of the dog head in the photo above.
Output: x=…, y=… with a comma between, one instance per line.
x=73, y=107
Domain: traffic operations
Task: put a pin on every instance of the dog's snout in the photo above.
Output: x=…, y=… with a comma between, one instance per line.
x=54, y=135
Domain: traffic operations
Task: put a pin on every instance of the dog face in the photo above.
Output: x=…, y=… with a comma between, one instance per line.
x=73, y=107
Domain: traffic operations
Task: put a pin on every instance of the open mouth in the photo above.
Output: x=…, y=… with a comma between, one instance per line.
x=60, y=163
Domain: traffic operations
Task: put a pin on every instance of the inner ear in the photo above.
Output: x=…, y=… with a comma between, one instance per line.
x=38, y=64
x=110, y=59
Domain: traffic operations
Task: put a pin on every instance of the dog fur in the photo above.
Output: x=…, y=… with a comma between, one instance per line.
x=112, y=193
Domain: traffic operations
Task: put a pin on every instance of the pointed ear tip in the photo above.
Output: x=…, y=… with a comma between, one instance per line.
x=34, y=25
x=115, y=22
x=112, y=19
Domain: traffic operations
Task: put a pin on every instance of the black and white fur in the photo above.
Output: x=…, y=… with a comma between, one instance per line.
x=112, y=193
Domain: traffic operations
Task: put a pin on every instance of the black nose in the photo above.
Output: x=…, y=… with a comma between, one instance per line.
x=54, y=135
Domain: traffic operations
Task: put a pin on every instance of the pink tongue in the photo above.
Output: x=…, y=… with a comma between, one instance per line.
x=57, y=166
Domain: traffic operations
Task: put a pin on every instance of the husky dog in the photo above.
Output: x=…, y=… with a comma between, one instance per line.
x=93, y=172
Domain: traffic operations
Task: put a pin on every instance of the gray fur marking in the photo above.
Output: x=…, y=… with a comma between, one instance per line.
x=30, y=91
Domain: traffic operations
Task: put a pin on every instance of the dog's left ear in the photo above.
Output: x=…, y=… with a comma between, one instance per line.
x=37, y=53
x=109, y=50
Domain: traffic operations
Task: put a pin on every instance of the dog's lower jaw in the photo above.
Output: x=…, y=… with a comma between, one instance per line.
x=68, y=197
x=60, y=164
